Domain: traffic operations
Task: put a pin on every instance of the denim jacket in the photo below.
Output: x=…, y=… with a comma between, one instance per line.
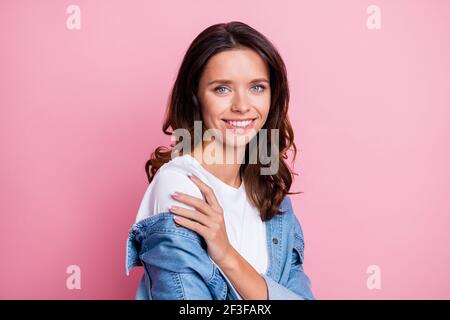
x=177, y=266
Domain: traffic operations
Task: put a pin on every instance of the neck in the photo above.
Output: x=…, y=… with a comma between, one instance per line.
x=226, y=170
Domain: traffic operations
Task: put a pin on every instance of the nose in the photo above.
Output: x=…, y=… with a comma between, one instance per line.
x=239, y=103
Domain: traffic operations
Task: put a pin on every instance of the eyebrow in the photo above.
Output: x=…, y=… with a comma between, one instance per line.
x=230, y=81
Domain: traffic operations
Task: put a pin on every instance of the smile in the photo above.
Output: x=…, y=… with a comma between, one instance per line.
x=240, y=124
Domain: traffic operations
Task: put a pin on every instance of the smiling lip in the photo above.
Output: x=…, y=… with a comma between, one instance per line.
x=237, y=119
x=240, y=129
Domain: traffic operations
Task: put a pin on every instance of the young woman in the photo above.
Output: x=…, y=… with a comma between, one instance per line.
x=208, y=227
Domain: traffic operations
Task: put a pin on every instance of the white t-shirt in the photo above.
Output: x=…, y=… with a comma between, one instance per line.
x=245, y=229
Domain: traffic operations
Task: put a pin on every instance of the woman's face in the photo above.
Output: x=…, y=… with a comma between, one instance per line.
x=234, y=93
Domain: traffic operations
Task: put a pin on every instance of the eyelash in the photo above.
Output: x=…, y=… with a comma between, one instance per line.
x=258, y=85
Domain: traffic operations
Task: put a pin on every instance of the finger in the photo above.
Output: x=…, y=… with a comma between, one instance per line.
x=194, y=226
x=207, y=191
x=191, y=214
x=195, y=202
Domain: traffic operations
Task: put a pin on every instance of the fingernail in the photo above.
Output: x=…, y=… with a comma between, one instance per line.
x=176, y=195
x=173, y=208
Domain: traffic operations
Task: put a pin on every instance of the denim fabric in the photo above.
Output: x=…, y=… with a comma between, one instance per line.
x=177, y=266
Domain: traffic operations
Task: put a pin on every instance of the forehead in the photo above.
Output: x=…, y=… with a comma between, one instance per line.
x=236, y=64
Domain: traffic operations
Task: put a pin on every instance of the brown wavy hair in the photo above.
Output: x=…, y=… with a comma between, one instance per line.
x=264, y=191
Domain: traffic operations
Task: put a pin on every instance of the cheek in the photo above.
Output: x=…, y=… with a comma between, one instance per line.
x=264, y=107
x=213, y=107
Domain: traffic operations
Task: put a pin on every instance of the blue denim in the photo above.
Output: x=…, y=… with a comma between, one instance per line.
x=178, y=267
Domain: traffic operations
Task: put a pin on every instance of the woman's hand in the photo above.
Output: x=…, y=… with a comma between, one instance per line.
x=207, y=220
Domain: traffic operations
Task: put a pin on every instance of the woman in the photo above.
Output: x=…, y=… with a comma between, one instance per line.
x=209, y=227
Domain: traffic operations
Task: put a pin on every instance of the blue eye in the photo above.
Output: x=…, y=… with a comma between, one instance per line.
x=218, y=88
x=260, y=86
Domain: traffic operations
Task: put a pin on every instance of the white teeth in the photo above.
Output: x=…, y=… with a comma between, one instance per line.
x=241, y=124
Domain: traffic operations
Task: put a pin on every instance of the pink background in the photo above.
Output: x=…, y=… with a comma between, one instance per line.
x=81, y=111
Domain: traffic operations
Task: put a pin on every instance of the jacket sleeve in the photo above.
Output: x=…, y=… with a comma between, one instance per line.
x=170, y=285
x=175, y=267
x=298, y=285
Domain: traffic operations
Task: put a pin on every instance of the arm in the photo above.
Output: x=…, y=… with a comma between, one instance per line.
x=247, y=281
x=172, y=258
x=249, y=284
x=176, y=268
x=252, y=285
x=207, y=220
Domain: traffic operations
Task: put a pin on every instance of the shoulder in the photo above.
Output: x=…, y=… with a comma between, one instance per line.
x=171, y=177
x=174, y=172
